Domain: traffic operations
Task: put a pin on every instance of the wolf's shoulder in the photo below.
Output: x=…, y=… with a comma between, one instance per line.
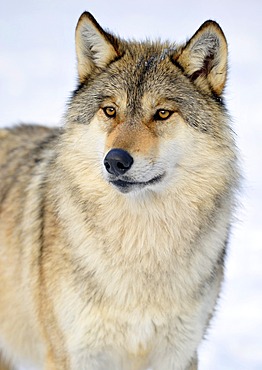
x=21, y=140
x=29, y=131
x=26, y=135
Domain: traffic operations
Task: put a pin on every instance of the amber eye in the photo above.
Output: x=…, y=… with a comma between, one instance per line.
x=110, y=112
x=162, y=114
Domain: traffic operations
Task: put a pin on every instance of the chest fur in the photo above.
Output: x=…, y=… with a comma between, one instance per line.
x=137, y=254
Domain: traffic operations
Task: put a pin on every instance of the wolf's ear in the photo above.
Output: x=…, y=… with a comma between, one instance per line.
x=95, y=48
x=204, y=58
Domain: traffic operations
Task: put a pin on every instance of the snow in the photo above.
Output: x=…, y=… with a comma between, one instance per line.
x=38, y=71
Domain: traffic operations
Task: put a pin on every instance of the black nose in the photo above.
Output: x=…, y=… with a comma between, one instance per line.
x=118, y=161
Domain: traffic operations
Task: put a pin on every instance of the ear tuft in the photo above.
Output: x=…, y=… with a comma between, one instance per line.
x=204, y=58
x=95, y=48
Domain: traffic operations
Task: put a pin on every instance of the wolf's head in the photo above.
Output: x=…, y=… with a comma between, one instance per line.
x=146, y=113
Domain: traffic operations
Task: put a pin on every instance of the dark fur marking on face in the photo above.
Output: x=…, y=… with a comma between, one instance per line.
x=174, y=61
x=79, y=88
x=117, y=58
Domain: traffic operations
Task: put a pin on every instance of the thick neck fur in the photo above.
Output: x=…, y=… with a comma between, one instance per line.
x=147, y=236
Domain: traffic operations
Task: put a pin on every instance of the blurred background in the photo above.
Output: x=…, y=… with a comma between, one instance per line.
x=38, y=73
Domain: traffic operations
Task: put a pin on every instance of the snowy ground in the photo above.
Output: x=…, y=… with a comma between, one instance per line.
x=37, y=72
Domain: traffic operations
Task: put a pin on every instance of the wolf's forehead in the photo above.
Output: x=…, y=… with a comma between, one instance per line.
x=150, y=74
x=153, y=59
x=150, y=60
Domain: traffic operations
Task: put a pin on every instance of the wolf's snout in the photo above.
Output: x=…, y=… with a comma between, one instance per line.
x=118, y=161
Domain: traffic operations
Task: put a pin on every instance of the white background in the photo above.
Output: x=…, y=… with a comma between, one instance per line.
x=38, y=72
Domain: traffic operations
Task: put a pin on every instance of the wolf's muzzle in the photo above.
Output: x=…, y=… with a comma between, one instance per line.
x=118, y=161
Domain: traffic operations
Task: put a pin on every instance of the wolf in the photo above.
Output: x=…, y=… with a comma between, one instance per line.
x=114, y=227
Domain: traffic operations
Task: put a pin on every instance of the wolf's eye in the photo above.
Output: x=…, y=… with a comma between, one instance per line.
x=162, y=114
x=110, y=112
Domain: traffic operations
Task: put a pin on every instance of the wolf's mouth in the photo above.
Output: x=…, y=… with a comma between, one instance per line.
x=125, y=186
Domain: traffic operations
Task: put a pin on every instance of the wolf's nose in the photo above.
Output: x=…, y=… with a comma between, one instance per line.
x=118, y=161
